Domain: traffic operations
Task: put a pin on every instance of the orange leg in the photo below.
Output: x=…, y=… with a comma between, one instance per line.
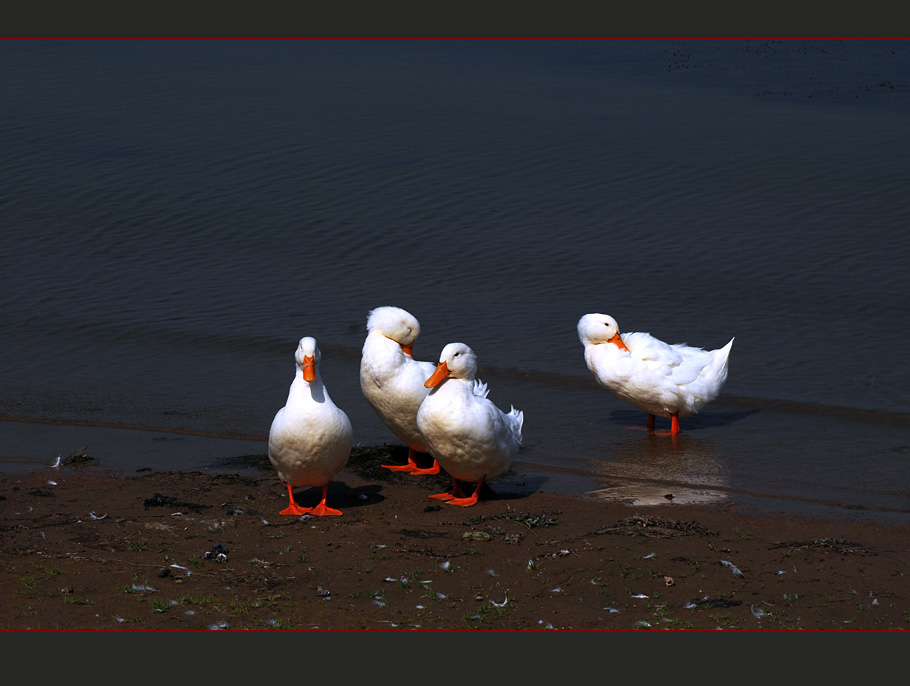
x=449, y=495
x=674, y=428
x=409, y=467
x=472, y=500
x=293, y=508
x=321, y=509
x=651, y=423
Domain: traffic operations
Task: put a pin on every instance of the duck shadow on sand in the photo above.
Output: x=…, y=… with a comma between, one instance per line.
x=510, y=487
x=367, y=463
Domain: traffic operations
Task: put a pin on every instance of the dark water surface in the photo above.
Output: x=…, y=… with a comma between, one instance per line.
x=176, y=215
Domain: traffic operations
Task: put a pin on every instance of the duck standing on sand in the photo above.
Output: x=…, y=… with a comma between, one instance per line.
x=663, y=380
x=392, y=381
x=310, y=438
x=471, y=438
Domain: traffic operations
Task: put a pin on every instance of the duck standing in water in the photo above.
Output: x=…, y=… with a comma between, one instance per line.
x=310, y=437
x=664, y=380
x=471, y=438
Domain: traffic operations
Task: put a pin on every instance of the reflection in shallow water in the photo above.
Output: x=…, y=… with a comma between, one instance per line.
x=658, y=469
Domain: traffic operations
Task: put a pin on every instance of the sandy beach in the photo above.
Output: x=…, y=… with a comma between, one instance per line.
x=82, y=548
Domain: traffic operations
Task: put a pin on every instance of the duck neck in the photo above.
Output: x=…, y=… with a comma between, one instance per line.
x=451, y=384
x=307, y=390
x=388, y=350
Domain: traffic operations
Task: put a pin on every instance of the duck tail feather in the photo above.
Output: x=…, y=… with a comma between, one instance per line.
x=517, y=418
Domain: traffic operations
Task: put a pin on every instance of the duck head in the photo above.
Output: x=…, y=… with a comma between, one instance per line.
x=597, y=328
x=397, y=324
x=307, y=357
x=456, y=360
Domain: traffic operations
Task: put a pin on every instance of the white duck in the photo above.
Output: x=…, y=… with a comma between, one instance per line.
x=471, y=438
x=662, y=379
x=392, y=381
x=310, y=438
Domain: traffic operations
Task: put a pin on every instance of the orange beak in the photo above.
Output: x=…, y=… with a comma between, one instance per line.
x=442, y=371
x=309, y=368
x=408, y=349
x=617, y=341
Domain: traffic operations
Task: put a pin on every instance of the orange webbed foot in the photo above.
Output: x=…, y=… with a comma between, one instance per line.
x=321, y=510
x=455, y=492
x=427, y=470
x=410, y=467
x=295, y=510
x=464, y=502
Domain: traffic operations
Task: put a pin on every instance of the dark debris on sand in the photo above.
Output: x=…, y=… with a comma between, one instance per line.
x=837, y=545
x=655, y=527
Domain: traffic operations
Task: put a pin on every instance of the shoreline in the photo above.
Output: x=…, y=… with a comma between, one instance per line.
x=638, y=478
x=100, y=551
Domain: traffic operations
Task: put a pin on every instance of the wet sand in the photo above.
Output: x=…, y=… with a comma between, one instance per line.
x=84, y=548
